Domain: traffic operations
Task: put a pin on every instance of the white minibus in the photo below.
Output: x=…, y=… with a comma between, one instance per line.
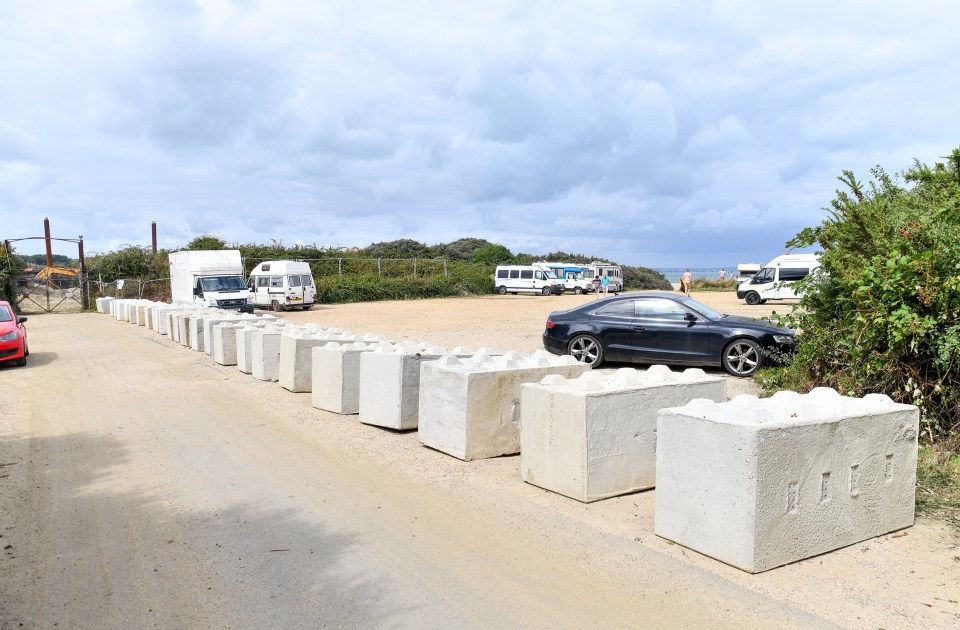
x=526, y=279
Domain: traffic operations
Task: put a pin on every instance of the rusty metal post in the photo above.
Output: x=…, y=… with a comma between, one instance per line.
x=46, y=238
x=84, y=283
x=153, y=229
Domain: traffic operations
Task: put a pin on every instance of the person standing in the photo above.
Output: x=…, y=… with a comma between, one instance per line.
x=596, y=286
x=606, y=285
x=687, y=281
x=723, y=273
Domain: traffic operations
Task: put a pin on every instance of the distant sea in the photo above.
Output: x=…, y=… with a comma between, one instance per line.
x=673, y=273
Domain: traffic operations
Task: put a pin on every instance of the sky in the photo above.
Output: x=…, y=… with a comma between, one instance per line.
x=658, y=134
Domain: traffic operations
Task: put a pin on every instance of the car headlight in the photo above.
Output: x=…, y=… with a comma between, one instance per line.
x=10, y=336
x=784, y=339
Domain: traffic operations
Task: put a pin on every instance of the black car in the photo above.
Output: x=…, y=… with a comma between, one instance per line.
x=663, y=328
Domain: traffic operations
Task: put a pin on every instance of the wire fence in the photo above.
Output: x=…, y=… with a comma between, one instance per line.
x=382, y=267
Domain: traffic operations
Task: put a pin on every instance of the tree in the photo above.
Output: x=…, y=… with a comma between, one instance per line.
x=881, y=316
x=492, y=255
x=206, y=241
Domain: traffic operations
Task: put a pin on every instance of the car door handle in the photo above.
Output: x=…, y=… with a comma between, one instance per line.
x=638, y=328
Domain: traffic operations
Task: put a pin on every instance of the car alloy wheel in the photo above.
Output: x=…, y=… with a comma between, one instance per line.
x=586, y=349
x=742, y=357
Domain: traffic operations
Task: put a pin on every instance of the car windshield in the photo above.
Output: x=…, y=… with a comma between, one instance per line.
x=223, y=283
x=5, y=314
x=703, y=309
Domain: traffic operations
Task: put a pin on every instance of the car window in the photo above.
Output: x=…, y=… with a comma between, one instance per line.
x=263, y=281
x=514, y=274
x=5, y=314
x=503, y=273
x=624, y=308
x=659, y=308
x=307, y=280
x=787, y=275
x=294, y=281
x=526, y=274
x=765, y=275
x=276, y=281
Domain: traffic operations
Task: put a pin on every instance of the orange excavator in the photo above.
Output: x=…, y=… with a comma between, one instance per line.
x=49, y=276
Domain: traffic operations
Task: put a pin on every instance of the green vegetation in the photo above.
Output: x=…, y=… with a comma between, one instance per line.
x=9, y=266
x=938, y=483
x=882, y=315
x=714, y=284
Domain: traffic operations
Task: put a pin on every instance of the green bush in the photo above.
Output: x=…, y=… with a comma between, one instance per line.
x=644, y=279
x=714, y=284
x=129, y=262
x=881, y=316
x=10, y=266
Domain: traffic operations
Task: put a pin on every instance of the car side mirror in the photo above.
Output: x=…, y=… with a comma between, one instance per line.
x=690, y=317
x=21, y=319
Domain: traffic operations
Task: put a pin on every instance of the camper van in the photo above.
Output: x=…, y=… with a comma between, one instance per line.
x=598, y=269
x=282, y=284
x=776, y=280
x=535, y=278
x=570, y=275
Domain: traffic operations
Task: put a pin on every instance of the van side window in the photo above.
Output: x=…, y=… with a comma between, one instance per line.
x=503, y=273
x=276, y=281
x=514, y=274
x=539, y=275
x=263, y=281
x=294, y=281
x=793, y=274
x=526, y=274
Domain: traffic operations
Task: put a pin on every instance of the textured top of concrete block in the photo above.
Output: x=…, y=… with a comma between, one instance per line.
x=786, y=408
x=348, y=346
x=626, y=379
x=484, y=361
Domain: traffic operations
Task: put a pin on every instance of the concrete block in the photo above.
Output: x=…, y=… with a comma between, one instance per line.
x=761, y=483
x=103, y=304
x=223, y=342
x=245, y=342
x=595, y=436
x=265, y=357
x=336, y=375
x=390, y=383
x=470, y=408
x=296, y=359
x=226, y=316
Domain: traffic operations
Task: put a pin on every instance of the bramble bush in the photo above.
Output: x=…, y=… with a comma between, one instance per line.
x=881, y=314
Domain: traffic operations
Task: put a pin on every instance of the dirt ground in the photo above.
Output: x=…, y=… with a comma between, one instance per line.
x=143, y=485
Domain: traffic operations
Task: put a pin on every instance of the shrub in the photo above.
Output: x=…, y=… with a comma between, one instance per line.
x=714, y=284
x=881, y=316
x=644, y=279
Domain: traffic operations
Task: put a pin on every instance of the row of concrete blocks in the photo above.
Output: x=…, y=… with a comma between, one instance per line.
x=754, y=483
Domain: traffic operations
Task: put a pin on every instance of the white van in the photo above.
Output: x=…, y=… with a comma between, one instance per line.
x=282, y=284
x=526, y=279
x=777, y=278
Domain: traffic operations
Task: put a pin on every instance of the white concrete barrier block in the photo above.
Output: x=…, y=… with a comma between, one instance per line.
x=103, y=304
x=223, y=342
x=296, y=359
x=762, y=483
x=245, y=342
x=470, y=408
x=336, y=375
x=595, y=436
x=265, y=356
x=390, y=384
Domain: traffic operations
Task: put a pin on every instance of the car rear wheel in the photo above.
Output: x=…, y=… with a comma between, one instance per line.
x=502, y=290
x=742, y=357
x=752, y=298
x=586, y=349
x=578, y=291
x=276, y=306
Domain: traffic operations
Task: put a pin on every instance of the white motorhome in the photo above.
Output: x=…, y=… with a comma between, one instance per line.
x=526, y=279
x=776, y=280
x=570, y=276
x=598, y=269
x=209, y=278
x=283, y=284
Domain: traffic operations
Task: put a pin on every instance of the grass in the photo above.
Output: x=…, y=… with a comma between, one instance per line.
x=938, y=483
x=707, y=284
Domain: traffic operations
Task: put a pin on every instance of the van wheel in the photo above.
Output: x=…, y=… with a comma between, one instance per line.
x=546, y=291
x=276, y=306
x=752, y=298
x=502, y=290
x=306, y=307
x=578, y=291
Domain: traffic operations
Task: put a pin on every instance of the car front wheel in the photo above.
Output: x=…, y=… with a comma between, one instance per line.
x=742, y=357
x=502, y=290
x=752, y=298
x=586, y=349
x=578, y=291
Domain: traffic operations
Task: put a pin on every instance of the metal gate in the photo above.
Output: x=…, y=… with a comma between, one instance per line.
x=55, y=294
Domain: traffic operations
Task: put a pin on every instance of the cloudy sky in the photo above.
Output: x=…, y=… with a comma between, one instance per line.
x=655, y=133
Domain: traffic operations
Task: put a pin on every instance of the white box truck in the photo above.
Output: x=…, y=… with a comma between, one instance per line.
x=209, y=278
x=282, y=285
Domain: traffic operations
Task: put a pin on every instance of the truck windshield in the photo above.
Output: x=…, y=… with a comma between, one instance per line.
x=223, y=283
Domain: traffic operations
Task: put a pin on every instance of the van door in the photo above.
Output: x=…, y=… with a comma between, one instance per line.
x=786, y=280
x=261, y=292
x=294, y=290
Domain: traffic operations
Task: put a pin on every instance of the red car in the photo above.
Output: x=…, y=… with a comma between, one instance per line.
x=13, y=336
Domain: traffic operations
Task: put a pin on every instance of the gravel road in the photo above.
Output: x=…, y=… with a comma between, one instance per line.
x=143, y=485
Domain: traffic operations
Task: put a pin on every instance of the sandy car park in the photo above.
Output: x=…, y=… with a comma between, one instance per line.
x=143, y=485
